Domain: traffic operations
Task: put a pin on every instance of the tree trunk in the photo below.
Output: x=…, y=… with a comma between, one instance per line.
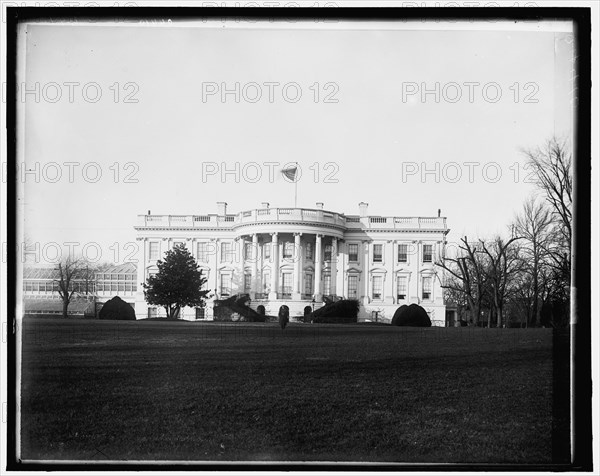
x=65, y=308
x=478, y=311
x=471, y=304
x=499, y=316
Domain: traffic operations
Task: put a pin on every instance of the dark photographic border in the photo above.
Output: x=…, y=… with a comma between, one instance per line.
x=580, y=335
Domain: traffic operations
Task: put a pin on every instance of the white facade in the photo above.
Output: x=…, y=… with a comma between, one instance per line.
x=294, y=255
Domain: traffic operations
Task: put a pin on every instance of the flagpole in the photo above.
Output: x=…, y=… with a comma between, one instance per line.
x=296, y=187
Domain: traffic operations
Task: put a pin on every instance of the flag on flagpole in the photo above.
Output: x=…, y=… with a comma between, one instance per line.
x=290, y=173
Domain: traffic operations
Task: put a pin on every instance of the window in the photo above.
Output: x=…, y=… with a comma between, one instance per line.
x=286, y=282
x=402, y=287
x=153, y=250
x=288, y=249
x=377, y=287
x=200, y=313
x=402, y=253
x=377, y=253
x=203, y=252
x=353, y=252
x=427, y=282
x=248, y=251
x=267, y=250
x=121, y=287
x=327, y=284
x=247, y=281
x=225, y=251
x=225, y=284
x=427, y=253
x=309, y=251
x=352, y=286
x=328, y=250
x=308, y=284
x=266, y=281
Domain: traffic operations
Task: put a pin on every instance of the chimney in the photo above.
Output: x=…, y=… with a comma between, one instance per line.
x=221, y=208
x=265, y=204
x=364, y=208
x=439, y=212
x=148, y=212
x=319, y=205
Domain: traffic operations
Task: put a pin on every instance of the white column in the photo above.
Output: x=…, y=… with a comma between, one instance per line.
x=334, y=251
x=419, y=265
x=297, y=267
x=275, y=267
x=215, y=270
x=318, y=268
x=391, y=267
x=254, y=289
x=343, y=268
x=366, y=266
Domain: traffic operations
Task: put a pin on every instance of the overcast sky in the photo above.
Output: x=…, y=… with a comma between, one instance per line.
x=162, y=124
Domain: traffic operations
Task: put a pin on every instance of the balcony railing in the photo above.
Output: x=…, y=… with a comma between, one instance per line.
x=395, y=223
x=290, y=214
x=306, y=215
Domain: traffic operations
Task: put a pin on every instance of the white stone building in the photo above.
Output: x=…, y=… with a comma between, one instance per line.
x=296, y=256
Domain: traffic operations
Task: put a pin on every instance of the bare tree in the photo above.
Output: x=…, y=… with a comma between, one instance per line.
x=69, y=273
x=465, y=276
x=534, y=224
x=552, y=165
x=503, y=264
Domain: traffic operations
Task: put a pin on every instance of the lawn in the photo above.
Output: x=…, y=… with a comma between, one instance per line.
x=143, y=390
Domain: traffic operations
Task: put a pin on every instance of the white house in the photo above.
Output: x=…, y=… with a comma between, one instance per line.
x=297, y=256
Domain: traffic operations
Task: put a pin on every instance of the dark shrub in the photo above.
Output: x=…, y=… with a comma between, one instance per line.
x=307, y=311
x=413, y=316
x=284, y=316
x=261, y=310
x=397, y=314
x=344, y=311
x=236, y=308
x=117, y=310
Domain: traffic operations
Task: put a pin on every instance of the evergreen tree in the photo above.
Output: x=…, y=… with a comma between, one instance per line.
x=177, y=284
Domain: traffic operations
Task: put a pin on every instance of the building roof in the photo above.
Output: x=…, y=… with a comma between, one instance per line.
x=40, y=272
x=120, y=268
x=50, y=272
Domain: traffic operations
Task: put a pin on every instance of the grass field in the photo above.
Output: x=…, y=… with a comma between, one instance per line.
x=142, y=390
